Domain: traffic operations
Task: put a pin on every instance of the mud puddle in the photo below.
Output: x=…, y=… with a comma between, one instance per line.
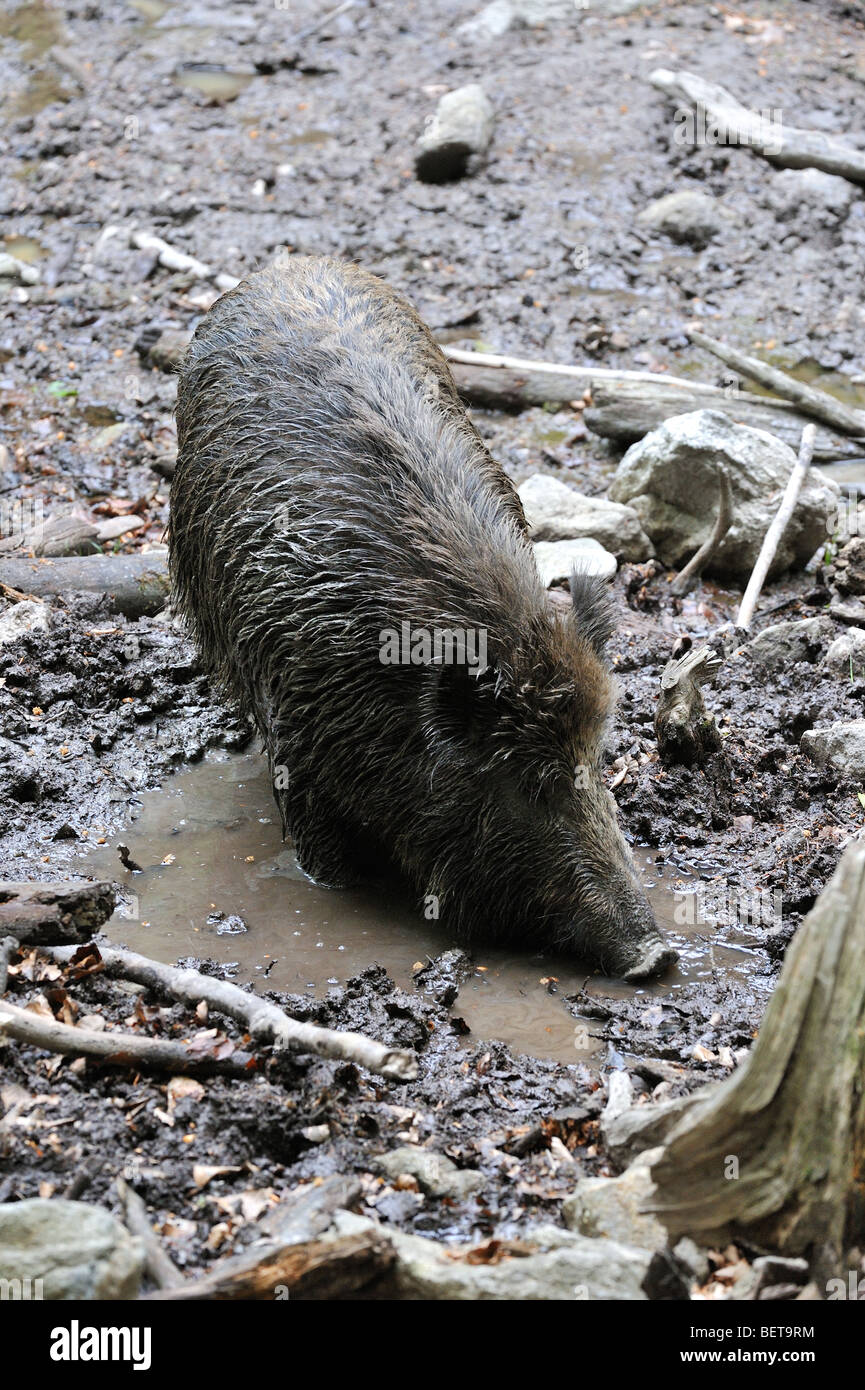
x=216, y=880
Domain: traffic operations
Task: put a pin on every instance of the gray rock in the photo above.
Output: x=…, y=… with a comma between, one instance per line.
x=435, y=1174
x=782, y=644
x=794, y=191
x=557, y=560
x=13, y=269
x=500, y=16
x=846, y=654
x=557, y=512
x=457, y=136
x=842, y=745
x=611, y=1207
x=566, y=1267
x=620, y=1095
x=687, y=216
x=77, y=1250
x=26, y=616
x=695, y=1260
x=670, y=479
x=641, y=1127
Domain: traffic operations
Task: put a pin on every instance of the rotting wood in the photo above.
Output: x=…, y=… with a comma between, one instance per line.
x=322, y=1269
x=136, y=585
x=685, y=731
x=51, y=914
x=793, y=1116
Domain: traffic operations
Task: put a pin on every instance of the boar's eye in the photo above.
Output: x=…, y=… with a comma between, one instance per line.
x=593, y=610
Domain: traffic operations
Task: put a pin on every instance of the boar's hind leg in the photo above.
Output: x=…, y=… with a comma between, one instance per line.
x=323, y=842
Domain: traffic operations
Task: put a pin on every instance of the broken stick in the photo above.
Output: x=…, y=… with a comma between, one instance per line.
x=687, y=578
x=772, y=539
x=735, y=124
x=810, y=399
x=116, y=1048
x=265, y=1022
x=42, y=914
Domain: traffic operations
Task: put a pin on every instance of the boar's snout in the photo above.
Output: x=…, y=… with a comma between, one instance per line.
x=618, y=927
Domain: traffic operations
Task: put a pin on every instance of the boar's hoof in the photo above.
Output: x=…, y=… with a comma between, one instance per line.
x=652, y=961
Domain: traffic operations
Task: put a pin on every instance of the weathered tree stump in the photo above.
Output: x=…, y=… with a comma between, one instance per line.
x=776, y=1153
x=685, y=730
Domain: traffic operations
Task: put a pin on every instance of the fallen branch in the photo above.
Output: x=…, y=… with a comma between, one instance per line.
x=685, y=731
x=173, y=259
x=43, y=914
x=627, y=411
x=687, y=578
x=735, y=124
x=513, y=383
x=810, y=399
x=331, y=1268
x=265, y=1022
x=160, y=1266
x=625, y=405
x=116, y=1048
x=137, y=585
x=779, y=524
x=793, y=1115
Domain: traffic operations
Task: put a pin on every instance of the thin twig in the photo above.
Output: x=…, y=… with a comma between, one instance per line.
x=687, y=578
x=773, y=536
x=160, y=1266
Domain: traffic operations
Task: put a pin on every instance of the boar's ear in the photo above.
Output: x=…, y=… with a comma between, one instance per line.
x=593, y=609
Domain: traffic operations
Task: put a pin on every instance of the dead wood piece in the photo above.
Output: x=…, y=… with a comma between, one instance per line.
x=627, y=411
x=779, y=524
x=265, y=1022
x=137, y=585
x=49, y=914
x=793, y=1116
x=685, y=731
x=810, y=399
x=315, y=1270
x=735, y=124
x=115, y=1048
x=687, y=578
x=160, y=1266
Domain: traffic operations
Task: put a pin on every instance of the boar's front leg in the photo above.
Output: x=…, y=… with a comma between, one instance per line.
x=324, y=844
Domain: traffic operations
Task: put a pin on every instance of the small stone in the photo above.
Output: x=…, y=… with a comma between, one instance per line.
x=842, y=745
x=556, y=512
x=76, y=1250
x=435, y=1174
x=783, y=644
x=557, y=560
x=686, y=216
x=846, y=654
x=26, y=616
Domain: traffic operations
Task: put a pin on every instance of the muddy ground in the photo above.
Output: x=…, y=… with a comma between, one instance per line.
x=111, y=122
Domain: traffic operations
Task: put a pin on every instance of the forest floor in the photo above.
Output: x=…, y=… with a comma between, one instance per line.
x=120, y=116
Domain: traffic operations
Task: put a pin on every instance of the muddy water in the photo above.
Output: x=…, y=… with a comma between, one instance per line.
x=209, y=843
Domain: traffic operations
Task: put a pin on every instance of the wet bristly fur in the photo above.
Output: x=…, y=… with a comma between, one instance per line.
x=330, y=486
